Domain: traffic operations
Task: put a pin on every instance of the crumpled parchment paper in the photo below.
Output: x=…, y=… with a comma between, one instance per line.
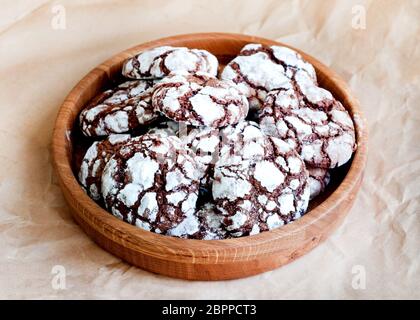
x=373, y=45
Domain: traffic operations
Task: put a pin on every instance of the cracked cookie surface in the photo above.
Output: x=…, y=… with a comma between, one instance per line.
x=204, y=144
x=161, y=61
x=262, y=192
x=152, y=182
x=211, y=226
x=208, y=144
x=243, y=141
x=94, y=161
x=200, y=100
x=310, y=119
x=119, y=110
x=259, y=69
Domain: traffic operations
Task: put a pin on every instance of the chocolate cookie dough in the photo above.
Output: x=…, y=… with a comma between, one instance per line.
x=160, y=62
x=259, y=69
x=119, y=110
x=94, y=161
x=309, y=118
x=200, y=100
x=152, y=182
x=261, y=193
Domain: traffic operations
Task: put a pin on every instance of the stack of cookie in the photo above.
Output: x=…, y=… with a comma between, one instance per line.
x=180, y=156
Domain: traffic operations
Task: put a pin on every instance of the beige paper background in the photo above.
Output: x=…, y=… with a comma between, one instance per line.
x=39, y=66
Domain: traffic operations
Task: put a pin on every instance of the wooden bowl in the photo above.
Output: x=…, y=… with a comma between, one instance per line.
x=201, y=259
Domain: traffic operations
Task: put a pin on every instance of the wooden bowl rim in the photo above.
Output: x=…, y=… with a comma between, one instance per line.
x=238, y=248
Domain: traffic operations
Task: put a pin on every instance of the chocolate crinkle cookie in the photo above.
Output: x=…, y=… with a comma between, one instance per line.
x=119, y=110
x=200, y=100
x=152, y=182
x=94, y=161
x=160, y=62
x=259, y=69
x=261, y=193
x=309, y=118
x=318, y=180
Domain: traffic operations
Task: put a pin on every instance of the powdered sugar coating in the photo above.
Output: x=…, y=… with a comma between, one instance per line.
x=207, y=144
x=259, y=69
x=310, y=119
x=261, y=192
x=292, y=62
x=95, y=160
x=153, y=183
x=204, y=224
x=318, y=180
x=203, y=144
x=243, y=140
x=200, y=100
x=119, y=110
x=211, y=226
x=161, y=61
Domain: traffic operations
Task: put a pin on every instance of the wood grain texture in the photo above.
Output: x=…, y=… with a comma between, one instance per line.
x=199, y=259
